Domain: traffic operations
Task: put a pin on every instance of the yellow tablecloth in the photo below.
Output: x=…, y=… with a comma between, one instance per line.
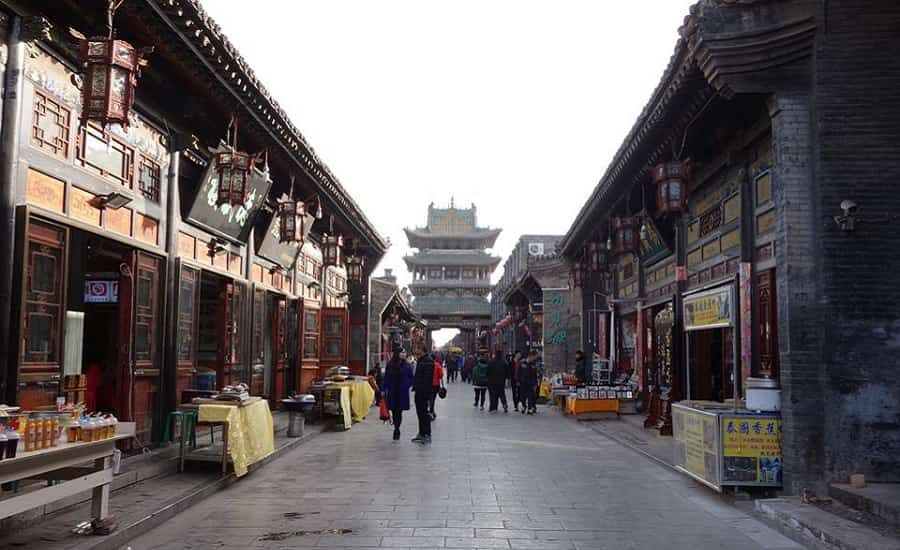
x=361, y=397
x=251, y=432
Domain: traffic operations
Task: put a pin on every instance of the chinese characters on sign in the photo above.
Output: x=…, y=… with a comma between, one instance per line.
x=752, y=449
x=711, y=309
x=554, y=323
x=696, y=443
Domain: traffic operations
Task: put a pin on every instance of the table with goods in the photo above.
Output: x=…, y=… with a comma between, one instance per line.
x=248, y=431
x=66, y=452
x=349, y=398
x=597, y=397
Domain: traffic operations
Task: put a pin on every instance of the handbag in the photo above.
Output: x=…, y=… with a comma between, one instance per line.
x=383, y=412
x=442, y=392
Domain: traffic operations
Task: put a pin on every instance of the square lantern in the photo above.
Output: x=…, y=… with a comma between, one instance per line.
x=671, y=180
x=577, y=274
x=291, y=215
x=111, y=69
x=625, y=235
x=331, y=249
x=355, y=266
x=596, y=256
x=234, y=169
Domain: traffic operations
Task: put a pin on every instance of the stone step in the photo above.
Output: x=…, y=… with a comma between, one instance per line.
x=819, y=525
x=882, y=500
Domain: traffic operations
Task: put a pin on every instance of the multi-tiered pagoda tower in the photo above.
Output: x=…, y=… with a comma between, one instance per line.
x=451, y=269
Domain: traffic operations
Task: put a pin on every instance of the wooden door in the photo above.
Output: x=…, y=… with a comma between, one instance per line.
x=279, y=349
x=146, y=373
x=125, y=339
x=43, y=308
x=186, y=354
x=334, y=337
x=293, y=336
x=258, y=355
x=309, y=350
x=233, y=366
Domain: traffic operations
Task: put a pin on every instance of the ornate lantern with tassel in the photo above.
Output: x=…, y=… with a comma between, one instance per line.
x=234, y=168
x=671, y=180
x=291, y=217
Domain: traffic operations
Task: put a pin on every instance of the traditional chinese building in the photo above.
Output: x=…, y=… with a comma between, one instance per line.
x=174, y=244
x=746, y=228
x=451, y=269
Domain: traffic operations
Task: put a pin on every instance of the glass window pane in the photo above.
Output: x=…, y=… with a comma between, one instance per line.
x=142, y=339
x=109, y=158
x=144, y=294
x=43, y=273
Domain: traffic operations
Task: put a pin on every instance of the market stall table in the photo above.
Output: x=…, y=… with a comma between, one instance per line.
x=65, y=462
x=361, y=397
x=248, y=433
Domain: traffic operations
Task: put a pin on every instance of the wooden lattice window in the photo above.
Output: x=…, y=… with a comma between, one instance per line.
x=101, y=152
x=149, y=177
x=50, y=127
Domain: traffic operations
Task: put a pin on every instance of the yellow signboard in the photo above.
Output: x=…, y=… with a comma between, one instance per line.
x=751, y=448
x=711, y=309
x=696, y=443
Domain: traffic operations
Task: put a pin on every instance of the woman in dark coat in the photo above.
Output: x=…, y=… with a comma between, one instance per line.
x=398, y=377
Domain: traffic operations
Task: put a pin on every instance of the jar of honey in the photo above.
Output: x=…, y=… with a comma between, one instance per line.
x=54, y=431
x=72, y=431
x=47, y=427
x=30, y=435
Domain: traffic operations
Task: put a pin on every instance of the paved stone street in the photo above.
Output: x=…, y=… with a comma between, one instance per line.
x=488, y=481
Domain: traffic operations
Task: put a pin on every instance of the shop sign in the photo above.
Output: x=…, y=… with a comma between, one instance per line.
x=751, y=448
x=696, y=443
x=710, y=309
x=233, y=221
x=101, y=292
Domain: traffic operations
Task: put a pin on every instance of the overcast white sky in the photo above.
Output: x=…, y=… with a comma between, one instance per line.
x=515, y=105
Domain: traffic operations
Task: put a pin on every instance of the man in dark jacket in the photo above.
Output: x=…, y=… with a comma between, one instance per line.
x=497, y=374
x=581, y=373
x=423, y=386
x=528, y=381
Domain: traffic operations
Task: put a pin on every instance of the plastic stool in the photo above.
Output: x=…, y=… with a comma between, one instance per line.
x=186, y=416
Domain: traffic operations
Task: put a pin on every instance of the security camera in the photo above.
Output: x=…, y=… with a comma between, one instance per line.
x=849, y=207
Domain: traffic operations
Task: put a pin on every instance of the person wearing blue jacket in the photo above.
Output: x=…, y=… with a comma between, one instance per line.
x=398, y=378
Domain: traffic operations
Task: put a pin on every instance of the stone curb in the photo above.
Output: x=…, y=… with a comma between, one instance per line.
x=121, y=536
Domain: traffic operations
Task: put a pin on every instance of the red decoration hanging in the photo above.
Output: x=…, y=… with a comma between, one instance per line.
x=291, y=218
x=577, y=274
x=671, y=179
x=597, y=257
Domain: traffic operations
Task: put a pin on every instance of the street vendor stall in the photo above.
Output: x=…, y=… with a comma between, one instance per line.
x=727, y=441
x=248, y=433
x=79, y=464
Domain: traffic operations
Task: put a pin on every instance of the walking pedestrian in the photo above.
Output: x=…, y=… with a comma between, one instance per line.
x=514, y=380
x=497, y=374
x=581, y=373
x=460, y=365
x=528, y=381
x=422, y=385
x=436, y=384
x=398, y=377
x=480, y=378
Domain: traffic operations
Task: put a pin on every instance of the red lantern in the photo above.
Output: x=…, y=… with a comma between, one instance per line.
x=234, y=169
x=111, y=70
x=331, y=249
x=597, y=259
x=671, y=179
x=625, y=235
x=291, y=216
x=355, y=266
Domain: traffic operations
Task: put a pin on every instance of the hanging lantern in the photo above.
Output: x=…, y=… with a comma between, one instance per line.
x=331, y=249
x=597, y=258
x=624, y=235
x=111, y=71
x=291, y=215
x=671, y=179
x=234, y=168
x=355, y=266
x=577, y=275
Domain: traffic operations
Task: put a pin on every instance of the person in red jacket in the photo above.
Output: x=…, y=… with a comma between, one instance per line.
x=436, y=384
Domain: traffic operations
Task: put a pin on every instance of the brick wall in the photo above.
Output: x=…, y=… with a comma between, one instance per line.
x=857, y=114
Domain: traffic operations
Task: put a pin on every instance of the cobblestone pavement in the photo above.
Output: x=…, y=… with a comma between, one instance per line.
x=488, y=481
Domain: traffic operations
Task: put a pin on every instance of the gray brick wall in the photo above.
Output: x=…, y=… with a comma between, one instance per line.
x=857, y=115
